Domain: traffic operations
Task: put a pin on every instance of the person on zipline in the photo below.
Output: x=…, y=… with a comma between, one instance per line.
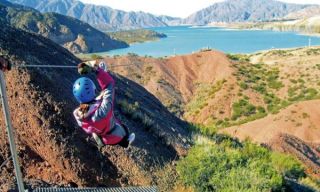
x=95, y=113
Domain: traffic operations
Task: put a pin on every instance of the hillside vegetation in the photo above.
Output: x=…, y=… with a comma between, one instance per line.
x=223, y=164
x=75, y=35
x=245, y=96
x=137, y=36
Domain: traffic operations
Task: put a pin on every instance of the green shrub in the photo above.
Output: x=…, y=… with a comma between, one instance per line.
x=224, y=167
x=260, y=88
x=238, y=57
x=205, y=130
x=275, y=84
x=242, y=108
x=305, y=115
x=128, y=108
x=293, y=81
x=133, y=111
x=243, y=85
x=203, y=93
x=287, y=166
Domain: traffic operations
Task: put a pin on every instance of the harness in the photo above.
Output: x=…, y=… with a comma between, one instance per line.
x=102, y=127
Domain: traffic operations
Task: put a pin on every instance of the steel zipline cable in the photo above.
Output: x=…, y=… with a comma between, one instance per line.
x=63, y=66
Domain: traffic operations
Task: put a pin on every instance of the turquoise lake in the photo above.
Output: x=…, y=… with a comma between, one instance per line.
x=186, y=39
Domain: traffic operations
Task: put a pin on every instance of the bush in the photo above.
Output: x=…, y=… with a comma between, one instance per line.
x=243, y=108
x=275, y=84
x=238, y=57
x=243, y=85
x=287, y=166
x=133, y=111
x=224, y=167
x=203, y=93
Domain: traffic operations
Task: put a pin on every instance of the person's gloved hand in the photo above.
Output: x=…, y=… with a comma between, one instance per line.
x=103, y=66
x=91, y=66
x=5, y=65
x=84, y=68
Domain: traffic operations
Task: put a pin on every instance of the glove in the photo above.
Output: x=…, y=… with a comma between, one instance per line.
x=91, y=66
x=103, y=66
x=84, y=68
x=5, y=65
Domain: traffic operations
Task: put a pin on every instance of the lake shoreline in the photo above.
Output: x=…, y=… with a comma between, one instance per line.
x=183, y=40
x=244, y=26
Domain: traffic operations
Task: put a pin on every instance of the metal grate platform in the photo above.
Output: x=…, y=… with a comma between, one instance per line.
x=127, y=189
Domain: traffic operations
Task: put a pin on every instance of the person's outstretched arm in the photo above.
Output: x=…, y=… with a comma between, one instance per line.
x=106, y=104
x=106, y=84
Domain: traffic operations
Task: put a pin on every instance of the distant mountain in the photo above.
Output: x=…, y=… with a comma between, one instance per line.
x=171, y=21
x=75, y=35
x=243, y=10
x=309, y=25
x=304, y=13
x=102, y=17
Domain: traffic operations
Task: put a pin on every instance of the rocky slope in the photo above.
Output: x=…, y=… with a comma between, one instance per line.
x=297, y=123
x=175, y=80
x=303, y=13
x=52, y=149
x=102, y=17
x=310, y=25
x=75, y=35
x=242, y=11
x=270, y=97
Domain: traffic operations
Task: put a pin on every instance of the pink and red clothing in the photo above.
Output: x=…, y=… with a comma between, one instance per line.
x=100, y=118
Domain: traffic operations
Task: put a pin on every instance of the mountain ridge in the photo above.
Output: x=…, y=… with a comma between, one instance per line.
x=106, y=18
x=73, y=34
x=241, y=11
x=102, y=17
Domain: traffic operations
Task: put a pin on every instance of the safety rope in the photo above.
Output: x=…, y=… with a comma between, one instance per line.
x=45, y=66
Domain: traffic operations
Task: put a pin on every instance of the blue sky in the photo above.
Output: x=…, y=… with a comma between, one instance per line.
x=178, y=8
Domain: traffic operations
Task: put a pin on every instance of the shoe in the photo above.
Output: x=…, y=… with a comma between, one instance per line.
x=98, y=140
x=131, y=138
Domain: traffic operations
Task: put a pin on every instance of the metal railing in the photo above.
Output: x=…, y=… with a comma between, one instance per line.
x=7, y=117
x=113, y=189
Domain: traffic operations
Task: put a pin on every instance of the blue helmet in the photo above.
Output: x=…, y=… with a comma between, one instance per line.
x=84, y=90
